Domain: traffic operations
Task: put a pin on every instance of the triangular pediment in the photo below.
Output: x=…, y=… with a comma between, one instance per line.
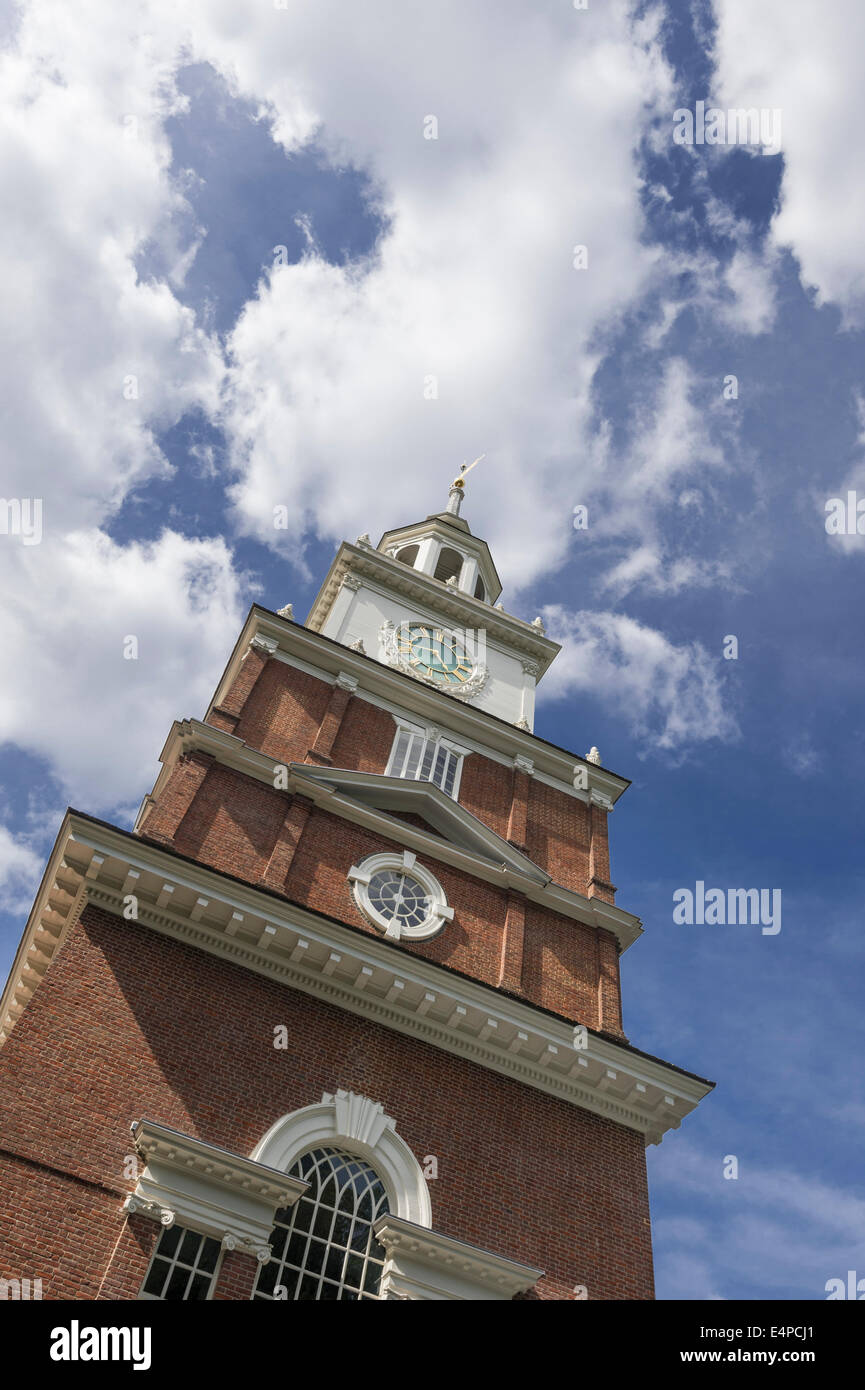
x=427, y=806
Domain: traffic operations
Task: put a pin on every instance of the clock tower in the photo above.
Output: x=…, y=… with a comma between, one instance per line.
x=340, y=1017
x=451, y=633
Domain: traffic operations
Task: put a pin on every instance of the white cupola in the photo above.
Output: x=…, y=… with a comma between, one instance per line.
x=443, y=547
x=424, y=603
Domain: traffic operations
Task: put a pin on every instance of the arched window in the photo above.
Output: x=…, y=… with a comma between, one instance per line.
x=324, y=1247
x=354, y=1124
x=480, y=591
x=450, y=564
x=407, y=555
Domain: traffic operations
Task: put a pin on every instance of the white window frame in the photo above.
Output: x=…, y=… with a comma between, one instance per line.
x=428, y=735
x=360, y=875
x=285, y=1273
x=359, y=1124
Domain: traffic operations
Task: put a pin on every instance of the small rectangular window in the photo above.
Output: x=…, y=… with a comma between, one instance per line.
x=421, y=759
x=183, y=1266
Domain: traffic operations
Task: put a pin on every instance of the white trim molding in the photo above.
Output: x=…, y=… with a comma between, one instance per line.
x=208, y=1189
x=361, y=1126
x=348, y=967
x=428, y=1266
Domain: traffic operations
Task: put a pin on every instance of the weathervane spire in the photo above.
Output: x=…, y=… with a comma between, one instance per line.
x=455, y=496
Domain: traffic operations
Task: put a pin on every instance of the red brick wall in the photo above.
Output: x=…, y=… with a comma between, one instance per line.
x=560, y=966
x=233, y=824
x=486, y=789
x=365, y=738
x=54, y=1227
x=557, y=835
x=130, y=1024
x=283, y=712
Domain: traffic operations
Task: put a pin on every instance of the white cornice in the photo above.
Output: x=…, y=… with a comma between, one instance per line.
x=348, y=968
x=426, y=1265
x=376, y=569
x=221, y=1167
x=380, y=684
x=203, y=1186
x=362, y=798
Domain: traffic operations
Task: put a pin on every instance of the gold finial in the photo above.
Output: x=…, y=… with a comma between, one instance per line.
x=466, y=468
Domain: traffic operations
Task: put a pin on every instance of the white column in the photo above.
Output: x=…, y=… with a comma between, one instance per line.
x=428, y=554
x=469, y=575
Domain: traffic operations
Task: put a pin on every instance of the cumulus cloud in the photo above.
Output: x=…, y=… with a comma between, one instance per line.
x=669, y=694
x=95, y=360
x=649, y=490
x=84, y=696
x=20, y=871
x=767, y=57
x=750, y=280
x=357, y=391
x=351, y=392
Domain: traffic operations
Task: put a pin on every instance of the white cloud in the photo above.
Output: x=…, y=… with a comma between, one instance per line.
x=778, y=1228
x=670, y=694
x=767, y=57
x=98, y=717
x=648, y=568
x=473, y=281
x=641, y=502
x=81, y=143
x=539, y=118
x=95, y=362
x=20, y=871
x=750, y=280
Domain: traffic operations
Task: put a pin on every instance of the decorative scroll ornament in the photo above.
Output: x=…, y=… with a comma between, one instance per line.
x=391, y=654
x=247, y=1247
x=137, y=1206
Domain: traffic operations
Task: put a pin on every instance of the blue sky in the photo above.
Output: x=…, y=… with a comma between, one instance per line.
x=154, y=189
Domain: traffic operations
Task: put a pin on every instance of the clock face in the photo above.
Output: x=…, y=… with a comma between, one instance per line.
x=434, y=653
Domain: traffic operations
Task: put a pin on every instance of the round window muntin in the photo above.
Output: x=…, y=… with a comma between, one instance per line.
x=397, y=871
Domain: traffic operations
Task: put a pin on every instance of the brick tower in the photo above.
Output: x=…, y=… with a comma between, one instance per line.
x=340, y=1018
